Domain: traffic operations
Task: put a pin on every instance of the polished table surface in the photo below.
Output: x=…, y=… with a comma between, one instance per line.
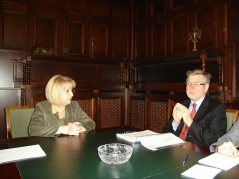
x=77, y=157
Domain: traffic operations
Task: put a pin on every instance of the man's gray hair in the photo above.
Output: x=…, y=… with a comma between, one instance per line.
x=207, y=76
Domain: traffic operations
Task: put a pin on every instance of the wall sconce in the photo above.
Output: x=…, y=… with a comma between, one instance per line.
x=194, y=34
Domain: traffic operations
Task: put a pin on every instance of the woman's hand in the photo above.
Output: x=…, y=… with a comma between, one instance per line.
x=75, y=128
x=228, y=149
x=71, y=129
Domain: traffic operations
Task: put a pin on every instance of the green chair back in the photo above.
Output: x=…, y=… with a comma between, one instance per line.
x=19, y=121
x=232, y=115
x=229, y=116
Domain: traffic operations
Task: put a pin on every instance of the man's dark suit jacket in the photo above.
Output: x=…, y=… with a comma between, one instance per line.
x=208, y=125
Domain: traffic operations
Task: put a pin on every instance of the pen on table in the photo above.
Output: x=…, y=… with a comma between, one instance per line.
x=185, y=159
x=136, y=142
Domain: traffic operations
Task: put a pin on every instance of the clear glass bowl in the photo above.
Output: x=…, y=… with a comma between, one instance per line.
x=115, y=153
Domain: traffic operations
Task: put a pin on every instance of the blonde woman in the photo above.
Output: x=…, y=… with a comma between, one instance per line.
x=59, y=114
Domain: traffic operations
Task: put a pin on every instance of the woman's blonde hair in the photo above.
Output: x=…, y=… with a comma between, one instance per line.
x=56, y=85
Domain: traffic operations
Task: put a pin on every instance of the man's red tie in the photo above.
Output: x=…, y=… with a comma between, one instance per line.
x=184, y=131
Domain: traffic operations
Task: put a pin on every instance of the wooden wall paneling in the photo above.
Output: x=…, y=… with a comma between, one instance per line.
x=14, y=30
x=121, y=15
x=141, y=32
x=75, y=7
x=158, y=39
x=75, y=35
x=87, y=104
x=47, y=5
x=232, y=37
x=158, y=114
x=158, y=7
x=74, y=38
x=229, y=73
x=46, y=19
x=141, y=43
x=99, y=9
x=221, y=24
x=140, y=11
x=120, y=43
x=206, y=18
x=99, y=33
x=120, y=31
x=158, y=25
x=153, y=77
x=178, y=3
x=110, y=111
x=231, y=20
x=138, y=112
x=171, y=77
x=87, y=74
x=179, y=22
x=46, y=31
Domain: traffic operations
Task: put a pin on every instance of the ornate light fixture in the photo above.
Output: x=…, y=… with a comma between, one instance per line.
x=194, y=35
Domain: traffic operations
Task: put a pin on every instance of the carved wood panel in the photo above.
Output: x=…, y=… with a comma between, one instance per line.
x=159, y=115
x=110, y=112
x=137, y=113
x=87, y=106
x=160, y=111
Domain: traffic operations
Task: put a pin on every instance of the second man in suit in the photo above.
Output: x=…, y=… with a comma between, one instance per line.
x=199, y=119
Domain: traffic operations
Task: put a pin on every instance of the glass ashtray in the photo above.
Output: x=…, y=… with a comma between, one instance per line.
x=115, y=153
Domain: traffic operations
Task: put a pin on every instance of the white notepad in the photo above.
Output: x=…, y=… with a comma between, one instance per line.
x=21, y=153
x=219, y=161
x=201, y=172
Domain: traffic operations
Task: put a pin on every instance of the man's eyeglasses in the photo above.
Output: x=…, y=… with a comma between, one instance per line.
x=197, y=84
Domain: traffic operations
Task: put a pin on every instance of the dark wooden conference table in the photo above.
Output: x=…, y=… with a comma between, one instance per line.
x=70, y=157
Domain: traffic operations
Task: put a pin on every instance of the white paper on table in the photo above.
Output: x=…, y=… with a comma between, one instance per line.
x=219, y=161
x=134, y=136
x=156, y=142
x=21, y=153
x=201, y=172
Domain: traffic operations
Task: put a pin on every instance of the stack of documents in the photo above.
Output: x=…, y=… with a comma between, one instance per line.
x=219, y=161
x=211, y=166
x=152, y=140
x=200, y=171
x=21, y=153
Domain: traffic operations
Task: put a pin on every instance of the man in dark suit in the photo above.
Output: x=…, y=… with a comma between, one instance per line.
x=208, y=122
